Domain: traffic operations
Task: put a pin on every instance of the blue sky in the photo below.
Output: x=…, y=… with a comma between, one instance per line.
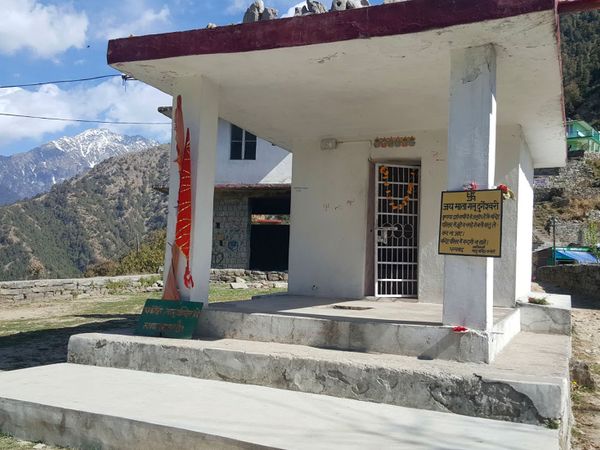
x=45, y=40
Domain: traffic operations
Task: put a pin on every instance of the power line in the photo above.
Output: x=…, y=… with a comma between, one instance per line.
x=41, y=83
x=62, y=119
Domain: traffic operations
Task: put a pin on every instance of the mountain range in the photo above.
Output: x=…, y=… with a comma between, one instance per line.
x=30, y=173
x=88, y=220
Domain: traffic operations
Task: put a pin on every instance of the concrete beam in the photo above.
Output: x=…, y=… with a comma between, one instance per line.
x=468, y=281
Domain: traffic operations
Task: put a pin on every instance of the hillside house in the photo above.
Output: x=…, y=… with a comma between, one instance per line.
x=581, y=138
x=252, y=201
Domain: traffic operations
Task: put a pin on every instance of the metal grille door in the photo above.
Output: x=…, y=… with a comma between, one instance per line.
x=396, y=237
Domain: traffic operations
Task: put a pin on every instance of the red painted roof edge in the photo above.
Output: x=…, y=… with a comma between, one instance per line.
x=376, y=21
x=574, y=6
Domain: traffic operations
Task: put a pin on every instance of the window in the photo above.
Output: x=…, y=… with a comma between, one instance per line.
x=243, y=144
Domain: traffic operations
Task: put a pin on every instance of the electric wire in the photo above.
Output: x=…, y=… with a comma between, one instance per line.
x=76, y=80
x=62, y=119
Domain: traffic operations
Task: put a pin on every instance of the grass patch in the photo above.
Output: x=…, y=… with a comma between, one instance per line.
x=117, y=287
x=111, y=308
x=8, y=442
x=538, y=300
x=150, y=281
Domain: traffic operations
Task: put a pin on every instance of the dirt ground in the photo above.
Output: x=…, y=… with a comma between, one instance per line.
x=586, y=347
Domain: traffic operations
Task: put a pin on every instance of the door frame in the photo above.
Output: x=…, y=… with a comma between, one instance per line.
x=371, y=249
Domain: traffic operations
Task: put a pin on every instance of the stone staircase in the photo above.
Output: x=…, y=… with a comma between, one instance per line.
x=252, y=369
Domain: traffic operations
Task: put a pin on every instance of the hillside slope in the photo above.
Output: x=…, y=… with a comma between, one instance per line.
x=572, y=196
x=581, y=65
x=89, y=219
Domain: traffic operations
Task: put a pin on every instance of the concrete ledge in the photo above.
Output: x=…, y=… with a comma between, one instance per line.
x=554, y=318
x=94, y=407
x=380, y=328
x=82, y=429
x=528, y=384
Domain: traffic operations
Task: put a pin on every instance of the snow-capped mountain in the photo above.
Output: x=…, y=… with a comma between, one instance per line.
x=30, y=173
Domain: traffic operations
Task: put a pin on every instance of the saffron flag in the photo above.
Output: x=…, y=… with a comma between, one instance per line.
x=183, y=227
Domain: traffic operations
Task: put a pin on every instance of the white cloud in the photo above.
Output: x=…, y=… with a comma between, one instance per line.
x=106, y=101
x=148, y=22
x=45, y=30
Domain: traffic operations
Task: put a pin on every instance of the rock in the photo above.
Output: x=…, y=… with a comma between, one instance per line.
x=311, y=7
x=239, y=280
x=269, y=14
x=342, y=5
x=254, y=11
x=560, y=202
x=39, y=446
x=581, y=374
x=238, y=286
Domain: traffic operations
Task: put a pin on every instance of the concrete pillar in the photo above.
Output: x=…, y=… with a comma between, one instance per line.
x=201, y=116
x=469, y=281
x=514, y=167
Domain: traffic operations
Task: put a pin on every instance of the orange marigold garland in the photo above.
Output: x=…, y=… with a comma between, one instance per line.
x=385, y=174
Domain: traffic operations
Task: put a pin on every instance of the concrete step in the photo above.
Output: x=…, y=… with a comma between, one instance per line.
x=400, y=328
x=103, y=408
x=528, y=382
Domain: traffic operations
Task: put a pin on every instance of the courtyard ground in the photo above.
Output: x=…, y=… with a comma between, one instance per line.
x=586, y=347
x=34, y=333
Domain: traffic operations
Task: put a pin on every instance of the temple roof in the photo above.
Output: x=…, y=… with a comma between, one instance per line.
x=366, y=72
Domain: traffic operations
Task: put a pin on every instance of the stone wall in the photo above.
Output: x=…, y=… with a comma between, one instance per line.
x=79, y=287
x=578, y=278
x=87, y=287
x=231, y=231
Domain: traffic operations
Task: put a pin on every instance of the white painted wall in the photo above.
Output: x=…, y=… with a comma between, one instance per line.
x=329, y=214
x=329, y=220
x=273, y=165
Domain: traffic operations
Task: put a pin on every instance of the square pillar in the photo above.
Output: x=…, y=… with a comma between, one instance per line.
x=201, y=116
x=514, y=167
x=469, y=281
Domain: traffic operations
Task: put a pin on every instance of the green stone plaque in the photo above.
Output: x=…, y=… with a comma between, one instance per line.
x=170, y=319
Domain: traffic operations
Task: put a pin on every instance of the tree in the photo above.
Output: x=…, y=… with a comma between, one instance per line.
x=591, y=238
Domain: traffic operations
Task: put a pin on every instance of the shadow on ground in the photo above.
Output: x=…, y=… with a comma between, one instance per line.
x=38, y=348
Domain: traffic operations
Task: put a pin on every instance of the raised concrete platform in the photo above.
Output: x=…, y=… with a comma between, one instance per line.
x=553, y=318
x=393, y=327
x=93, y=407
x=527, y=383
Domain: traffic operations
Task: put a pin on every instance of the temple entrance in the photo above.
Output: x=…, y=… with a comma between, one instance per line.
x=396, y=230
